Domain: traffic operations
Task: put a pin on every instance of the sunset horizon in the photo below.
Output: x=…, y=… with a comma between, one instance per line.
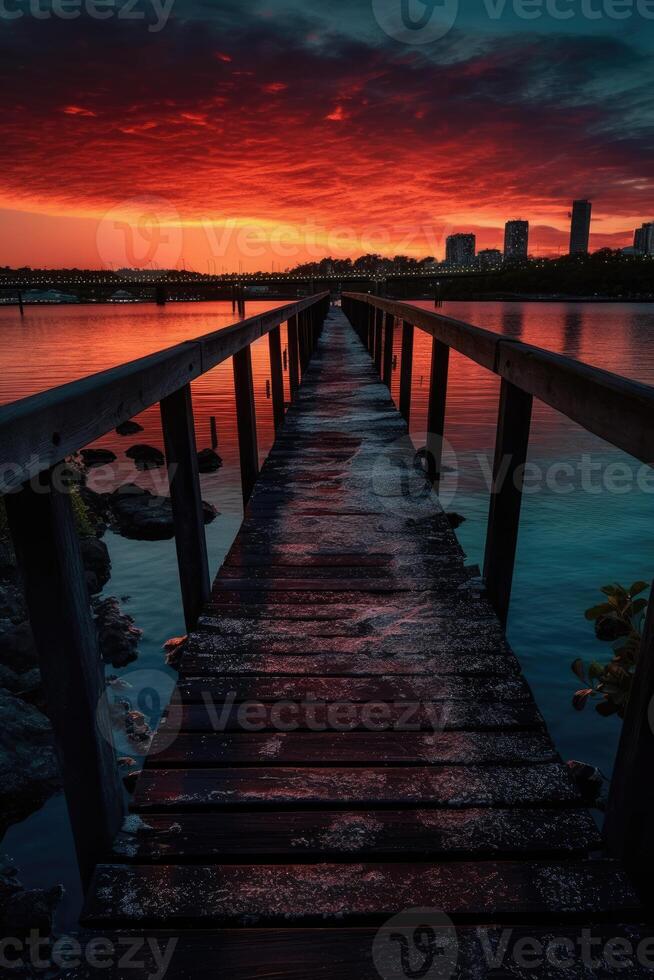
x=479, y=127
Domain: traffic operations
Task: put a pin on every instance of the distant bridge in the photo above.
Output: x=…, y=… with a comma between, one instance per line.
x=101, y=287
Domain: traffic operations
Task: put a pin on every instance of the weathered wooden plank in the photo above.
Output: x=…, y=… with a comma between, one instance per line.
x=350, y=953
x=468, y=715
x=452, y=688
x=492, y=892
x=377, y=747
x=443, y=786
x=306, y=835
x=234, y=660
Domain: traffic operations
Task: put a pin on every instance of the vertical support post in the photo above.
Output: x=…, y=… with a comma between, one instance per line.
x=246, y=421
x=378, y=340
x=186, y=499
x=293, y=356
x=302, y=342
x=214, y=432
x=371, y=329
x=514, y=421
x=389, y=326
x=406, y=370
x=43, y=529
x=276, y=376
x=440, y=361
x=630, y=809
x=20, y=303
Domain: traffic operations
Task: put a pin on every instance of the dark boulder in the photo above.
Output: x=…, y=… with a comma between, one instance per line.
x=118, y=637
x=97, y=457
x=141, y=515
x=23, y=910
x=209, y=461
x=97, y=563
x=455, y=520
x=146, y=457
x=129, y=428
x=17, y=649
x=28, y=767
x=12, y=602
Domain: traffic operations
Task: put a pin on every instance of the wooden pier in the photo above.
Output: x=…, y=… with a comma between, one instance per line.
x=351, y=737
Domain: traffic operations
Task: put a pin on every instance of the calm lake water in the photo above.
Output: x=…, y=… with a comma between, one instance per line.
x=586, y=520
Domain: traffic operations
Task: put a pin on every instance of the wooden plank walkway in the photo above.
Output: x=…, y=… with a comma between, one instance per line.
x=351, y=735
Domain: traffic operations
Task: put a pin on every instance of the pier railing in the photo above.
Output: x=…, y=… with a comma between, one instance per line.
x=614, y=408
x=36, y=436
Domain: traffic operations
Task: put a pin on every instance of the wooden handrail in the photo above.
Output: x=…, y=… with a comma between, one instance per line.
x=610, y=406
x=614, y=408
x=36, y=435
x=40, y=431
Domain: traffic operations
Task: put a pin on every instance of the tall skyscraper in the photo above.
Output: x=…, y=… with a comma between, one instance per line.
x=644, y=238
x=516, y=240
x=460, y=250
x=580, y=230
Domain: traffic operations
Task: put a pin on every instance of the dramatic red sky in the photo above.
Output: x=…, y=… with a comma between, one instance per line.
x=277, y=132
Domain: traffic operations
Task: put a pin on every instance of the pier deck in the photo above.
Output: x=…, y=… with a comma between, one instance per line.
x=351, y=735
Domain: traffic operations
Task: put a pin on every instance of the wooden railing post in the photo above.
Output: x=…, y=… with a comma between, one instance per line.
x=406, y=370
x=186, y=499
x=379, y=317
x=43, y=529
x=630, y=810
x=440, y=360
x=293, y=356
x=389, y=326
x=514, y=421
x=246, y=420
x=302, y=336
x=371, y=330
x=276, y=376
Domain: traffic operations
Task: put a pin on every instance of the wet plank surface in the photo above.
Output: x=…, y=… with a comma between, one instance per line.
x=351, y=735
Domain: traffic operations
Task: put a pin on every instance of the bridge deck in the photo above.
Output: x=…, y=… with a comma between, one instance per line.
x=392, y=755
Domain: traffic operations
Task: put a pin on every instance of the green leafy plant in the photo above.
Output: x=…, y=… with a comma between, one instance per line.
x=618, y=620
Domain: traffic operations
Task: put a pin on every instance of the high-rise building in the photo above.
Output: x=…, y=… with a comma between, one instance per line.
x=580, y=229
x=644, y=239
x=516, y=240
x=460, y=250
x=489, y=258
